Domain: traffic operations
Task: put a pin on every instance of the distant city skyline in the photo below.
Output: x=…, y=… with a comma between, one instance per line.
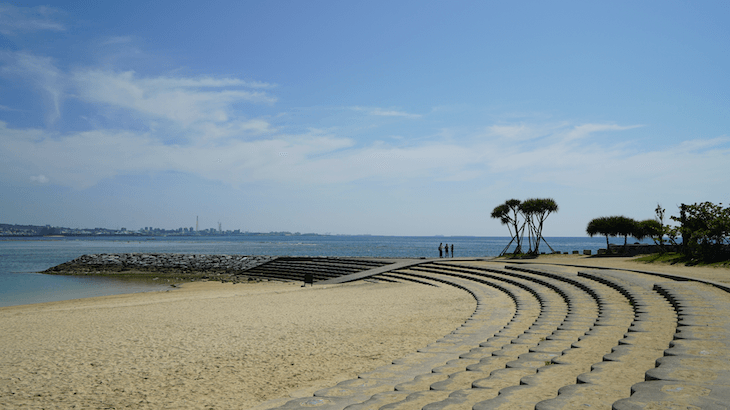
x=54, y=230
x=385, y=118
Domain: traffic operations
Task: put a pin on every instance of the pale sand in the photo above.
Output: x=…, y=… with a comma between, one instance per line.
x=213, y=345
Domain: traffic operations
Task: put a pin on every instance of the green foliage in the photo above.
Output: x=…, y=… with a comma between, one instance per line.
x=705, y=230
x=530, y=214
x=501, y=212
x=509, y=214
x=536, y=211
x=615, y=226
x=651, y=228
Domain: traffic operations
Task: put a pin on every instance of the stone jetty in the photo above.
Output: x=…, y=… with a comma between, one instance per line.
x=168, y=265
x=233, y=268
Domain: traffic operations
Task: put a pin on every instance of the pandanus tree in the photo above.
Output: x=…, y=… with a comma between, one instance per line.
x=530, y=214
x=508, y=214
x=536, y=211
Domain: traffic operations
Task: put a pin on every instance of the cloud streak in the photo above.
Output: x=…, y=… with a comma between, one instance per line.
x=383, y=112
x=83, y=159
x=16, y=20
x=42, y=73
x=198, y=126
x=182, y=100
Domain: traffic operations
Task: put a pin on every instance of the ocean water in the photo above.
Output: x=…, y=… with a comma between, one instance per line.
x=22, y=258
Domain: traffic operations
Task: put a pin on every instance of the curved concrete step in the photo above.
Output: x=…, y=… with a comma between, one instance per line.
x=404, y=278
x=648, y=334
x=695, y=369
x=563, y=347
x=506, y=366
x=295, y=268
x=376, y=387
x=567, y=340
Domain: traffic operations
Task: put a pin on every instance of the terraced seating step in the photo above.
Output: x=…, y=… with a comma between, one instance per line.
x=695, y=371
x=295, y=269
x=556, y=338
x=368, y=387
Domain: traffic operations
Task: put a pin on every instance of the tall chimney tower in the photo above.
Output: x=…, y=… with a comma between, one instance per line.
x=196, y=223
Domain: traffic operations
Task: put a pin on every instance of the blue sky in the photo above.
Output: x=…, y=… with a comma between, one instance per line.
x=367, y=117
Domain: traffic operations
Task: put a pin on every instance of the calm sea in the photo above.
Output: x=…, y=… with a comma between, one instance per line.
x=22, y=258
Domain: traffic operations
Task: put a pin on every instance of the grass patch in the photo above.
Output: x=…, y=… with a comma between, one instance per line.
x=674, y=258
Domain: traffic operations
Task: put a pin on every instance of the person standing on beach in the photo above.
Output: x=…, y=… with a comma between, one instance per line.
x=447, y=250
x=441, y=250
x=452, y=250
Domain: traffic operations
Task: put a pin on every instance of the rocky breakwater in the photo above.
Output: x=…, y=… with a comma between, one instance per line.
x=169, y=266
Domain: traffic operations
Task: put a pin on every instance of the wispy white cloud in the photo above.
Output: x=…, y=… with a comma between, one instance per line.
x=595, y=174
x=117, y=40
x=584, y=130
x=182, y=100
x=558, y=130
x=576, y=158
x=521, y=131
x=40, y=179
x=711, y=144
x=82, y=159
x=162, y=83
x=208, y=131
x=219, y=143
x=317, y=158
x=384, y=112
x=16, y=20
x=41, y=72
x=393, y=113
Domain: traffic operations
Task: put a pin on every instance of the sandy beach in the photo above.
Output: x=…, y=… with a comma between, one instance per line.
x=210, y=345
x=213, y=345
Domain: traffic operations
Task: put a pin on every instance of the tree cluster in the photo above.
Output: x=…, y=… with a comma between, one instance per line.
x=704, y=230
x=525, y=221
x=624, y=226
